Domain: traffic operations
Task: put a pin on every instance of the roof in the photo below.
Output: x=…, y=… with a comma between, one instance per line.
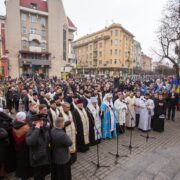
x=41, y=4
x=114, y=25
x=71, y=24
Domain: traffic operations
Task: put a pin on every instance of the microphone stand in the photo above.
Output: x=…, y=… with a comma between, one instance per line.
x=117, y=156
x=147, y=137
x=130, y=147
x=97, y=163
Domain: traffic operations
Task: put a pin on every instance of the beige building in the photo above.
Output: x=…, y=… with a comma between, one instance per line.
x=37, y=37
x=146, y=63
x=108, y=51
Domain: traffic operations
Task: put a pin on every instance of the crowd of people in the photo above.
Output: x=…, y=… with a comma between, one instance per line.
x=49, y=120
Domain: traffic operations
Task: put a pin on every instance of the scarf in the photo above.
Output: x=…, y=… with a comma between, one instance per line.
x=85, y=122
x=70, y=130
x=55, y=115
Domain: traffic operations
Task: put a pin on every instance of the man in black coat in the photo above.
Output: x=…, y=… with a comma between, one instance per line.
x=61, y=169
x=38, y=140
x=3, y=143
x=16, y=98
x=7, y=153
x=172, y=101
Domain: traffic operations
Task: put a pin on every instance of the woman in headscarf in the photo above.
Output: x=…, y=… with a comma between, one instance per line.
x=108, y=117
x=19, y=131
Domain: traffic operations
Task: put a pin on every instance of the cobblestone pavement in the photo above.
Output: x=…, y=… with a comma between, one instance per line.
x=158, y=159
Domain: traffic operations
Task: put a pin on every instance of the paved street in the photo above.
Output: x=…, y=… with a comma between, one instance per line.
x=158, y=159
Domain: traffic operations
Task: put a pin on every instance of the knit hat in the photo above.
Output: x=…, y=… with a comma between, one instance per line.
x=21, y=116
x=79, y=101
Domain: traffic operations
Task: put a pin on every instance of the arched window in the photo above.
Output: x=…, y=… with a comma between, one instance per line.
x=35, y=43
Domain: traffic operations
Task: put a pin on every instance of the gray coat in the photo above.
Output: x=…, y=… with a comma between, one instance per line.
x=60, y=144
x=38, y=141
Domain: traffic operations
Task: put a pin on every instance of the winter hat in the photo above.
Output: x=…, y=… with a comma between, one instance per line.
x=21, y=117
x=79, y=101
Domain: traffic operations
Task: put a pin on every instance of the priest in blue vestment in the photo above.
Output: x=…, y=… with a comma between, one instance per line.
x=108, y=118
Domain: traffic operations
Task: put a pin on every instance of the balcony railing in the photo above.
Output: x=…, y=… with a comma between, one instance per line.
x=35, y=49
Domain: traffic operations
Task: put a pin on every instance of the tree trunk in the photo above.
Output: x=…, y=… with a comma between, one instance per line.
x=177, y=73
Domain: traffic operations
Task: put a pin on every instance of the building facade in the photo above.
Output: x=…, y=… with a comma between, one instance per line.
x=37, y=37
x=3, y=52
x=146, y=63
x=106, y=52
x=137, y=56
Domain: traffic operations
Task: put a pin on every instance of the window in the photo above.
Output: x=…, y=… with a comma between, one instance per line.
x=100, y=45
x=64, y=44
x=24, y=56
x=116, y=33
x=34, y=43
x=43, y=21
x=111, y=42
x=43, y=45
x=33, y=6
x=100, y=61
x=100, y=54
x=86, y=48
x=32, y=31
x=115, y=61
x=24, y=44
x=34, y=56
x=33, y=19
x=23, y=30
x=90, y=55
x=90, y=47
x=23, y=17
x=111, y=52
x=112, y=33
x=116, y=51
x=115, y=42
x=43, y=32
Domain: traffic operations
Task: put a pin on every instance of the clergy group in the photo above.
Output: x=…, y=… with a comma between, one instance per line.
x=44, y=123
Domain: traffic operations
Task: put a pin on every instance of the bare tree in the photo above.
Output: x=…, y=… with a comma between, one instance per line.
x=169, y=34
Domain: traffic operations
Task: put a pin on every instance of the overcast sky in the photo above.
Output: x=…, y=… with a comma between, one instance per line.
x=140, y=17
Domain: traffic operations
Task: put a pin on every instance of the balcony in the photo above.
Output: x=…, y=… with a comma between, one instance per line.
x=35, y=49
x=34, y=62
x=35, y=36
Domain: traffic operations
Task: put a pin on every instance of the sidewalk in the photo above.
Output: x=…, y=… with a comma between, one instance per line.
x=161, y=164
